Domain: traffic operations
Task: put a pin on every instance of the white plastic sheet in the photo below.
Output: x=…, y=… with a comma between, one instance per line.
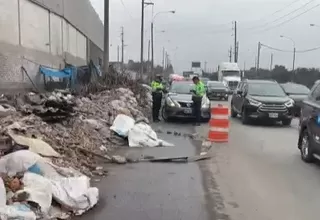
x=122, y=124
x=17, y=212
x=75, y=193
x=39, y=189
x=19, y=161
x=2, y=194
x=142, y=135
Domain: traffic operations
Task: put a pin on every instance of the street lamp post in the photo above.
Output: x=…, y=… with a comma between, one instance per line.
x=152, y=37
x=143, y=4
x=294, y=50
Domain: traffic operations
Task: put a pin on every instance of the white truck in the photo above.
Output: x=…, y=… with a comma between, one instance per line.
x=229, y=74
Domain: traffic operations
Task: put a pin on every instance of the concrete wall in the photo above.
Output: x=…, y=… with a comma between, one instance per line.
x=37, y=32
x=80, y=14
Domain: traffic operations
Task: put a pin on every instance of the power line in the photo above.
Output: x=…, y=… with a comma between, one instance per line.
x=290, y=51
x=126, y=9
x=274, y=13
x=292, y=3
x=286, y=21
x=283, y=16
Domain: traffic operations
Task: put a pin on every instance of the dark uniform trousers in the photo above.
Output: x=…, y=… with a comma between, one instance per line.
x=197, y=102
x=156, y=104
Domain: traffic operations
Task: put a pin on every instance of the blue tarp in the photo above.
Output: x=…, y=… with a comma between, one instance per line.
x=68, y=72
x=64, y=73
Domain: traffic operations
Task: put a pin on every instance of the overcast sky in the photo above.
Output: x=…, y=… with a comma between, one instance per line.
x=202, y=30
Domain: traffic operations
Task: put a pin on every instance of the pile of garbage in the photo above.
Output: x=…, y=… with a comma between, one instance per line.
x=76, y=127
x=52, y=143
x=55, y=106
x=31, y=188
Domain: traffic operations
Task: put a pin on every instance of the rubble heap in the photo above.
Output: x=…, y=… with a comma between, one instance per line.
x=78, y=128
x=50, y=107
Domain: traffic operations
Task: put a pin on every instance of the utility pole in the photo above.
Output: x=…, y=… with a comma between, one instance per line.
x=149, y=55
x=106, y=38
x=237, y=50
x=230, y=54
x=118, y=54
x=149, y=51
x=122, y=45
x=152, y=51
x=235, y=43
x=142, y=38
x=258, y=58
x=271, y=62
x=166, y=60
x=244, y=70
x=294, y=58
x=255, y=62
x=163, y=57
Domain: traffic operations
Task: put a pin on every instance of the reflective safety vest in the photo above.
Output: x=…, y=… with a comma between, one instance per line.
x=200, y=89
x=156, y=86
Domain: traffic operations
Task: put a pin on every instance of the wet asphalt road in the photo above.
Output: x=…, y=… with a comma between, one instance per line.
x=155, y=191
x=257, y=175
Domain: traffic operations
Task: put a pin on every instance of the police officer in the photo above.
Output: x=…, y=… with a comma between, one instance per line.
x=157, y=89
x=197, y=93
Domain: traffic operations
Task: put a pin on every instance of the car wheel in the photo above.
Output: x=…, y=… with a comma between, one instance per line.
x=164, y=115
x=244, y=117
x=233, y=112
x=286, y=122
x=305, y=149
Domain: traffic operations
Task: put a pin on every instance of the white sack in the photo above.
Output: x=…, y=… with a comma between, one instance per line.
x=19, y=161
x=2, y=194
x=40, y=190
x=122, y=124
x=142, y=135
x=75, y=193
x=17, y=212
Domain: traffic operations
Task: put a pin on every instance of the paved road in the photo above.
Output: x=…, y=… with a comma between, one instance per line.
x=150, y=191
x=260, y=175
x=257, y=175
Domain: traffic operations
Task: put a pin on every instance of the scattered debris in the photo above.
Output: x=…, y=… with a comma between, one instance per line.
x=185, y=159
x=52, y=143
x=119, y=159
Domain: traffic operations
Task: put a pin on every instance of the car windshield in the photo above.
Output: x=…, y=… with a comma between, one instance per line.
x=265, y=89
x=295, y=89
x=181, y=87
x=213, y=85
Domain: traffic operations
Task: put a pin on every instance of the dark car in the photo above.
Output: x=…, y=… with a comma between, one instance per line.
x=309, y=131
x=261, y=99
x=298, y=93
x=205, y=80
x=178, y=102
x=217, y=90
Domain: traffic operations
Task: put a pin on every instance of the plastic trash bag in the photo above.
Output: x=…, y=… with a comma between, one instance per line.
x=122, y=124
x=2, y=194
x=17, y=211
x=75, y=193
x=18, y=161
x=39, y=189
x=142, y=135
